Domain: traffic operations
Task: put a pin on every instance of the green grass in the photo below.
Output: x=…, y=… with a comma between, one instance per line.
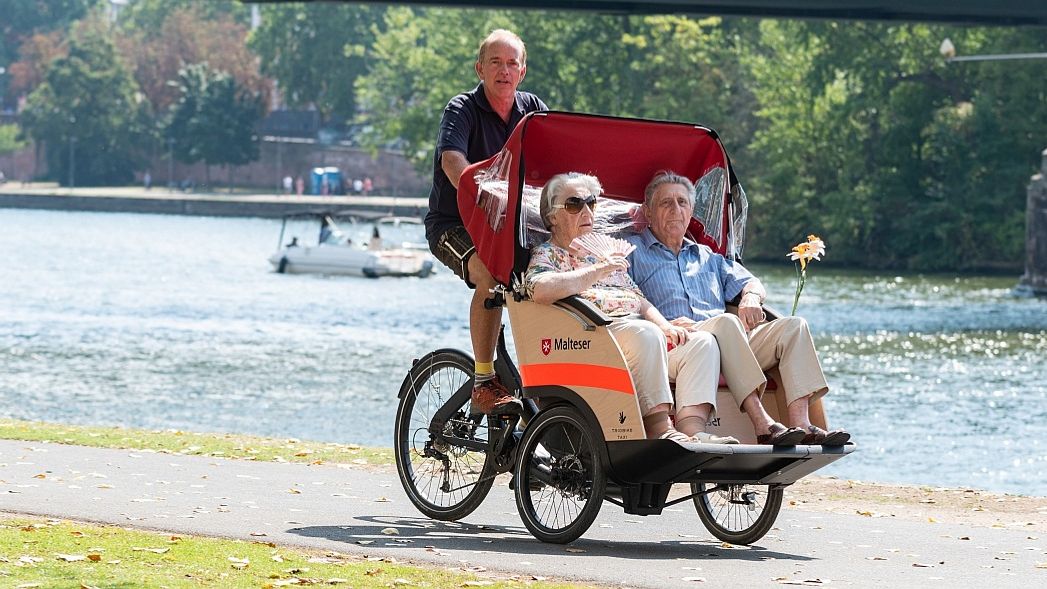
x=179, y=442
x=61, y=554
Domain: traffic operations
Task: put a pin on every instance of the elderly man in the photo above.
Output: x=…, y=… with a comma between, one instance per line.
x=475, y=126
x=691, y=284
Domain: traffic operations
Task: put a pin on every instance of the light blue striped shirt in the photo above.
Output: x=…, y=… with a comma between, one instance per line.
x=695, y=284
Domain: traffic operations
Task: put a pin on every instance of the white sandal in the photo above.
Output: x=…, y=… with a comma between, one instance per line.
x=676, y=436
x=707, y=438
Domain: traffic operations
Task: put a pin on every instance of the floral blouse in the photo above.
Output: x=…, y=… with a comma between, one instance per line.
x=615, y=295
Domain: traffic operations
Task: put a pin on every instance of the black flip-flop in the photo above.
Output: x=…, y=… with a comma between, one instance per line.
x=781, y=436
x=818, y=436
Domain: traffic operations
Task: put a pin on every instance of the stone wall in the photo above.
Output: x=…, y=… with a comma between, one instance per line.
x=1034, y=281
x=390, y=173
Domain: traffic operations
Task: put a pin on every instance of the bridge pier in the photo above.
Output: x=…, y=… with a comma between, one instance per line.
x=1034, y=281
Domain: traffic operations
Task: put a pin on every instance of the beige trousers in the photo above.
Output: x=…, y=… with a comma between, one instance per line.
x=694, y=366
x=785, y=342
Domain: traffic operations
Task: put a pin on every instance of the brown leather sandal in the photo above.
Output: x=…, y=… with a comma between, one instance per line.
x=818, y=436
x=781, y=436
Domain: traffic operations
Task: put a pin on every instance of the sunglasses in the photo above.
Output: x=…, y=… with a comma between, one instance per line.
x=574, y=204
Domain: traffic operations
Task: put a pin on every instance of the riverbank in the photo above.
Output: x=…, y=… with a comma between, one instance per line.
x=918, y=503
x=136, y=199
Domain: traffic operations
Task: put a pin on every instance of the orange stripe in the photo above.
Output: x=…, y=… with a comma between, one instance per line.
x=572, y=374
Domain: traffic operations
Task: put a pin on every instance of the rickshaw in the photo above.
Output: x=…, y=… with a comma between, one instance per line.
x=579, y=438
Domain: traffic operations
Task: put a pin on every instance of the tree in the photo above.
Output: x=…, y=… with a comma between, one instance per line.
x=316, y=52
x=150, y=15
x=214, y=120
x=89, y=108
x=23, y=19
x=9, y=139
x=177, y=36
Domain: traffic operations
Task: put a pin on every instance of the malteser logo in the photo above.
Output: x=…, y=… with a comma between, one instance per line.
x=561, y=343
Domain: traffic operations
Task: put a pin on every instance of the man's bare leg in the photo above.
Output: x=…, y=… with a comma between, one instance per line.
x=484, y=324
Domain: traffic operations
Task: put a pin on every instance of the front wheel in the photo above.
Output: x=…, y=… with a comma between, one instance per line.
x=443, y=478
x=739, y=514
x=560, y=480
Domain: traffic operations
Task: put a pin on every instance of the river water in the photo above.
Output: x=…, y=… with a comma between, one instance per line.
x=178, y=322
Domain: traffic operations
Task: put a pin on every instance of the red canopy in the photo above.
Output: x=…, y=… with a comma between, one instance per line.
x=623, y=153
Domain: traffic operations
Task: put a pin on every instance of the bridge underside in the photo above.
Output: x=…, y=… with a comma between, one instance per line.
x=972, y=12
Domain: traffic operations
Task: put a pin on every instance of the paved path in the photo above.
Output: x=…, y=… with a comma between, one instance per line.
x=345, y=508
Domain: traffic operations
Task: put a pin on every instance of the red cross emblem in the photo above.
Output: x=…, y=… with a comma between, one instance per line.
x=547, y=346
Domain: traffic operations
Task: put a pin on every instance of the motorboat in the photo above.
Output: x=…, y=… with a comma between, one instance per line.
x=335, y=252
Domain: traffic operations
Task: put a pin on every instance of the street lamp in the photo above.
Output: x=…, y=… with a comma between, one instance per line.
x=170, y=163
x=948, y=51
x=72, y=162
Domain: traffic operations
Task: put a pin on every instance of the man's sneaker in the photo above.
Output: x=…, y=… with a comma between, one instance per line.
x=492, y=394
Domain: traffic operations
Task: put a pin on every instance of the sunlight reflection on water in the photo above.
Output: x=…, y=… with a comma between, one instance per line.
x=179, y=322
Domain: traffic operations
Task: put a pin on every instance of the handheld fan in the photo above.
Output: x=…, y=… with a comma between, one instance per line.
x=602, y=246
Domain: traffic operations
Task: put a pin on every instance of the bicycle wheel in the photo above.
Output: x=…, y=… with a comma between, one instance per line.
x=444, y=479
x=739, y=514
x=560, y=480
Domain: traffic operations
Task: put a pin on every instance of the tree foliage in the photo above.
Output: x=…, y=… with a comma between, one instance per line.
x=214, y=119
x=187, y=34
x=22, y=19
x=315, y=52
x=89, y=108
x=895, y=158
x=9, y=139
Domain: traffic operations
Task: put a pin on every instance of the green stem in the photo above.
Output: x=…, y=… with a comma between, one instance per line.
x=801, y=279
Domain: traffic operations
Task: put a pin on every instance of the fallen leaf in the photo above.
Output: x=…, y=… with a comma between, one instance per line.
x=575, y=550
x=40, y=476
x=239, y=563
x=922, y=565
x=85, y=586
x=373, y=572
x=865, y=513
x=154, y=550
x=94, y=557
x=258, y=534
x=381, y=500
x=294, y=491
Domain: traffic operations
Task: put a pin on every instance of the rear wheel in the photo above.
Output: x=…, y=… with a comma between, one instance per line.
x=739, y=514
x=560, y=480
x=444, y=479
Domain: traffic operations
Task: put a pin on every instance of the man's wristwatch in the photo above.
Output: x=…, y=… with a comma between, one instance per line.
x=759, y=301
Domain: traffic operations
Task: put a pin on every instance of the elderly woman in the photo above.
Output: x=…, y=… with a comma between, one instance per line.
x=567, y=207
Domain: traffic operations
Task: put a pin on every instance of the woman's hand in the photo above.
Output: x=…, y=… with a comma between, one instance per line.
x=611, y=265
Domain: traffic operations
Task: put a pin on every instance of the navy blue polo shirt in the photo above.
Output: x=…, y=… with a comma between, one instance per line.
x=470, y=126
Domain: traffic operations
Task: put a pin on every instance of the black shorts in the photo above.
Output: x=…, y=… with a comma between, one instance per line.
x=453, y=249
